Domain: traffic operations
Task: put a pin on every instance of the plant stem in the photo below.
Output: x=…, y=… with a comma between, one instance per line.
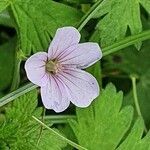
x=145, y=35
x=59, y=135
x=59, y=119
x=13, y=95
x=137, y=106
x=41, y=129
x=16, y=75
x=89, y=15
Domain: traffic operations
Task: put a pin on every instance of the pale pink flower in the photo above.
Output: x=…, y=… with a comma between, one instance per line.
x=59, y=73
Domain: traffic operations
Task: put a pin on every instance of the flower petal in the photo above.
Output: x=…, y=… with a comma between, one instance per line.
x=35, y=68
x=64, y=38
x=83, y=55
x=54, y=95
x=82, y=86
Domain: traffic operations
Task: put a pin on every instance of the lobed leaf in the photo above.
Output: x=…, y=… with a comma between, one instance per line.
x=37, y=22
x=3, y=4
x=104, y=123
x=134, y=140
x=20, y=131
x=116, y=17
x=137, y=63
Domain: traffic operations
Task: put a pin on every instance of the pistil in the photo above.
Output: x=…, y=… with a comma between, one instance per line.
x=52, y=66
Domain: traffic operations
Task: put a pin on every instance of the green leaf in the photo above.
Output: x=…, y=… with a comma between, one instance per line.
x=20, y=131
x=3, y=4
x=50, y=142
x=118, y=16
x=23, y=107
x=104, y=123
x=143, y=97
x=134, y=141
x=80, y=1
x=66, y=129
x=131, y=61
x=7, y=56
x=146, y=5
x=137, y=63
x=37, y=22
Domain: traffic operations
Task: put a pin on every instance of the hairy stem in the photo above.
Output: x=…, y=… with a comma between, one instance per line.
x=145, y=35
x=59, y=119
x=17, y=93
x=136, y=102
x=59, y=135
x=16, y=75
x=89, y=15
x=41, y=129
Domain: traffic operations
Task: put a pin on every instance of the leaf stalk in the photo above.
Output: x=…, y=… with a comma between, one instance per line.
x=136, y=102
x=59, y=135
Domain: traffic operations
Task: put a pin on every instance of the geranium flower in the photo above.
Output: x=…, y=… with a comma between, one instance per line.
x=59, y=73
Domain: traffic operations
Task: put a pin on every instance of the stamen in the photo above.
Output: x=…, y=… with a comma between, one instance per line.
x=52, y=66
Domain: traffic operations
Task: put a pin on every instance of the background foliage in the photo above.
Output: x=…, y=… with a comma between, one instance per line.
x=122, y=29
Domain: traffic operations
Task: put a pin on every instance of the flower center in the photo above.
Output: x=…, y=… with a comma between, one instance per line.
x=52, y=66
